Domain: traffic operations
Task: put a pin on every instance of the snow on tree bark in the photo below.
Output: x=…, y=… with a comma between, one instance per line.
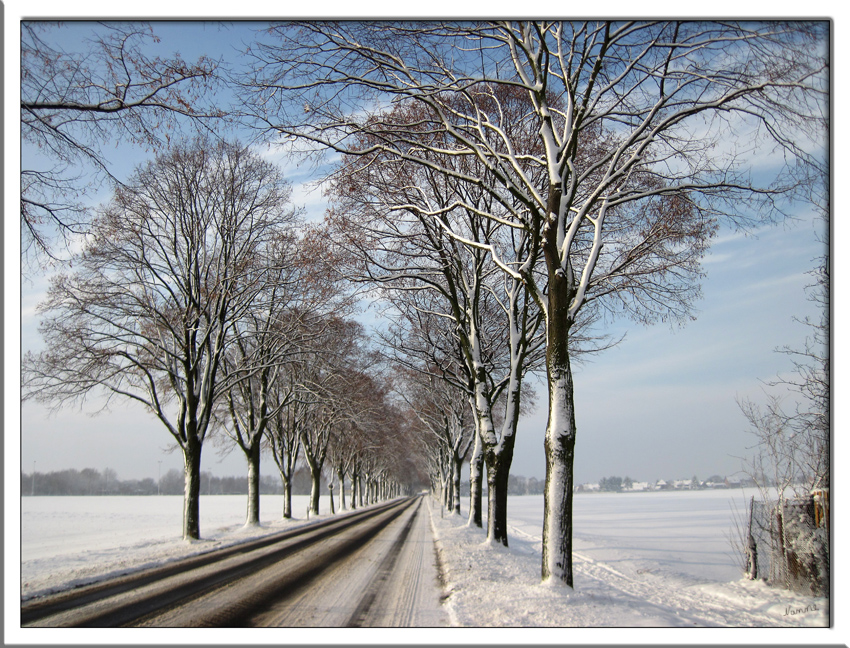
x=632, y=168
x=192, y=490
x=476, y=475
x=148, y=313
x=252, y=517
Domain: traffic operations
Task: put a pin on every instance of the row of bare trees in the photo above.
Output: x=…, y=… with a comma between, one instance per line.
x=581, y=168
x=201, y=295
x=506, y=187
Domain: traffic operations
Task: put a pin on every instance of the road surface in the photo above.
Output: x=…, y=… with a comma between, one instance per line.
x=370, y=568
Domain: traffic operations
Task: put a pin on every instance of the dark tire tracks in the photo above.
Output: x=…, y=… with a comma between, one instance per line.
x=229, y=587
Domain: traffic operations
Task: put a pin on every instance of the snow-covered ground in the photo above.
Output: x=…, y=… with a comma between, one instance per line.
x=640, y=560
x=68, y=541
x=643, y=559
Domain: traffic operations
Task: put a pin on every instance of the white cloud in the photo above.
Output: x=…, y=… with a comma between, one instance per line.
x=311, y=196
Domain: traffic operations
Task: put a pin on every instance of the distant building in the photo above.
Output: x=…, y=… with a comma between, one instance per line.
x=630, y=486
x=640, y=486
x=587, y=488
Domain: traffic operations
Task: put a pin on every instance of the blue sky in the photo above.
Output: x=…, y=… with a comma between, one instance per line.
x=660, y=405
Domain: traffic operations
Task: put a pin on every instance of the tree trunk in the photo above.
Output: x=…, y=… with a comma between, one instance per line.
x=498, y=473
x=287, y=497
x=498, y=456
x=353, y=491
x=315, y=489
x=558, y=507
x=253, y=456
x=331, y=495
x=476, y=475
x=340, y=478
x=450, y=478
x=192, y=489
x=561, y=426
x=458, y=467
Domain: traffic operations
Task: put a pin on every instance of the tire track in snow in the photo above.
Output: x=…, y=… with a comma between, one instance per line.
x=385, y=583
x=382, y=574
x=230, y=586
x=411, y=594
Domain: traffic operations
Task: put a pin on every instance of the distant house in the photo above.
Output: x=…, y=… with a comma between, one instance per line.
x=640, y=486
x=586, y=488
x=662, y=485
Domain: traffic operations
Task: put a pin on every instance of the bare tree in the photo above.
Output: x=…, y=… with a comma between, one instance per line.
x=151, y=310
x=792, y=455
x=264, y=340
x=415, y=229
x=444, y=413
x=418, y=232
x=315, y=426
x=370, y=434
x=776, y=471
x=330, y=383
x=108, y=89
x=288, y=315
x=348, y=441
x=810, y=381
x=802, y=435
x=634, y=121
x=284, y=439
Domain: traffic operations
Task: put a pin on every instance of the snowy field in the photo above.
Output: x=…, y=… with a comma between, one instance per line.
x=68, y=541
x=681, y=532
x=642, y=559
x=657, y=560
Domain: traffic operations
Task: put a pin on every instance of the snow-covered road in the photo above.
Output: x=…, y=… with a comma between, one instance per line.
x=372, y=568
x=391, y=582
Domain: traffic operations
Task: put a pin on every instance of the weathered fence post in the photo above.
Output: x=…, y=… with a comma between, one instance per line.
x=752, y=550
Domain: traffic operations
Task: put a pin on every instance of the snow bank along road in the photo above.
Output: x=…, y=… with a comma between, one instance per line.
x=370, y=568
